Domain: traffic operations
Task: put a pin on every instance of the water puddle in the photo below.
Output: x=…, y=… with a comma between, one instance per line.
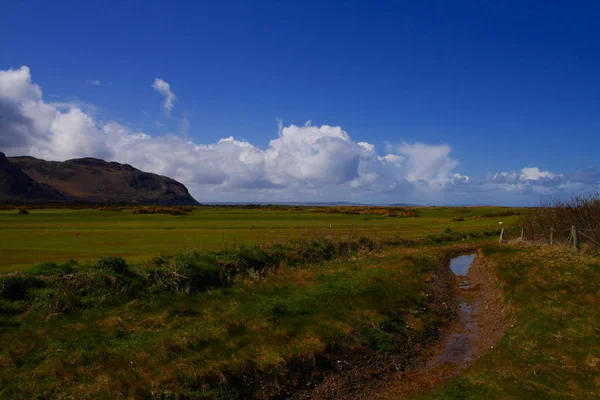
x=459, y=347
x=460, y=265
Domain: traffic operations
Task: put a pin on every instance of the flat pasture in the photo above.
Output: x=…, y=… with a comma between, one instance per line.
x=59, y=234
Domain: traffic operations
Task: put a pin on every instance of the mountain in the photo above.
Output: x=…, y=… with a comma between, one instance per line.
x=15, y=185
x=89, y=180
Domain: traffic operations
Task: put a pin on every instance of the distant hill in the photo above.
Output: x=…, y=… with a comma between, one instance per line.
x=283, y=203
x=15, y=185
x=89, y=180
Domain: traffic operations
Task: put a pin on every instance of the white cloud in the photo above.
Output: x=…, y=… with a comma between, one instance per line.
x=534, y=174
x=302, y=163
x=28, y=125
x=164, y=88
x=95, y=82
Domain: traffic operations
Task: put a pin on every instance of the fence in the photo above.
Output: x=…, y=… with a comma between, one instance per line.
x=572, y=237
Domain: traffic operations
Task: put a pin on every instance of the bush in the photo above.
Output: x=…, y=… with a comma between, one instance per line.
x=113, y=264
x=580, y=211
x=16, y=287
x=188, y=272
x=53, y=302
x=163, y=210
x=108, y=208
x=375, y=338
x=52, y=268
x=23, y=211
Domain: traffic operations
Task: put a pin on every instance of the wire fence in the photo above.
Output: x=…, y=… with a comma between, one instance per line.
x=572, y=237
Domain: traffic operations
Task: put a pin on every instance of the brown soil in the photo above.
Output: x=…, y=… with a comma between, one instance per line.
x=481, y=321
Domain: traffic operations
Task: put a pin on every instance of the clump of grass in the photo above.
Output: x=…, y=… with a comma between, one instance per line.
x=109, y=208
x=163, y=210
x=498, y=214
x=397, y=212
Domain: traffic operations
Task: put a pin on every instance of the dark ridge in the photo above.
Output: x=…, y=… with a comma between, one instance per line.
x=15, y=185
x=86, y=180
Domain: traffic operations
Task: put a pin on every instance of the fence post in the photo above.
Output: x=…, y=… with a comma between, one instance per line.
x=522, y=233
x=551, y=236
x=501, y=236
x=575, y=236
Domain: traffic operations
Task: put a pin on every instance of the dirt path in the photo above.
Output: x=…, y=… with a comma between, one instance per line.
x=480, y=324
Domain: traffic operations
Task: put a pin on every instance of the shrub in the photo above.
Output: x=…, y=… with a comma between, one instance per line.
x=16, y=286
x=52, y=268
x=580, y=211
x=163, y=210
x=23, y=211
x=113, y=264
x=187, y=272
x=457, y=219
x=375, y=338
x=108, y=208
x=53, y=302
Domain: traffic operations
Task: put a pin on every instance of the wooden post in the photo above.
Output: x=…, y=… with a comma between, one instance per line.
x=501, y=236
x=551, y=236
x=575, y=238
x=522, y=232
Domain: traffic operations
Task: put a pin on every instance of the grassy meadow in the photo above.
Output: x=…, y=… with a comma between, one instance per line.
x=234, y=303
x=250, y=322
x=49, y=234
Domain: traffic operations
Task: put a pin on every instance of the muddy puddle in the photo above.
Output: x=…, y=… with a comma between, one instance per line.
x=459, y=348
x=460, y=265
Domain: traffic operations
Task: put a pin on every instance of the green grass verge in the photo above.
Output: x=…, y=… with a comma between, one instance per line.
x=553, y=350
x=230, y=324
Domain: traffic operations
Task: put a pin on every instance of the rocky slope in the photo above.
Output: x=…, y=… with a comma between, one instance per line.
x=85, y=180
x=15, y=185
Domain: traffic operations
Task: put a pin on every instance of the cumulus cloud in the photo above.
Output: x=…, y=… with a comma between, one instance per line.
x=164, y=88
x=95, y=82
x=31, y=126
x=301, y=163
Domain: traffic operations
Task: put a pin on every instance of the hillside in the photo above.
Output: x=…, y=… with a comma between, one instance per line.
x=87, y=180
x=15, y=185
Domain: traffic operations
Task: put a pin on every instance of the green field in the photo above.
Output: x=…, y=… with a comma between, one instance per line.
x=51, y=234
x=211, y=319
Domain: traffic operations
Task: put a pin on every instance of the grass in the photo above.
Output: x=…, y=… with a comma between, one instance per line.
x=109, y=329
x=51, y=234
x=553, y=350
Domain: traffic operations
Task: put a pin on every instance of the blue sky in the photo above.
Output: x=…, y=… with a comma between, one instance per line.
x=504, y=85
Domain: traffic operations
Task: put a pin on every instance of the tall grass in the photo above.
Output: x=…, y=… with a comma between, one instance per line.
x=51, y=290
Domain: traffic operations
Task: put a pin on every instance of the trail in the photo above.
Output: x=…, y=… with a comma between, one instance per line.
x=481, y=321
x=480, y=324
